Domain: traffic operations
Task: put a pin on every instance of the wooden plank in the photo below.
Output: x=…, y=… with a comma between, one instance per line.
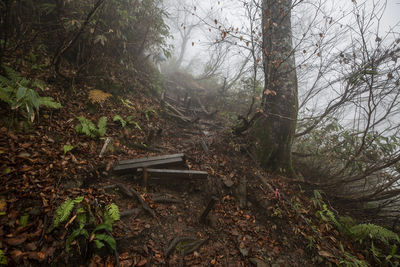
x=160, y=173
x=159, y=163
x=131, y=161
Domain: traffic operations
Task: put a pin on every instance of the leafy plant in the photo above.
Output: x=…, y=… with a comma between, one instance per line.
x=3, y=259
x=350, y=260
x=64, y=211
x=129, y=120
x=68, y=148
x=87, y=223
x=373, y=234
x=87, y=127
x=19, y=93
x=120, y=119
x=128, y=103
x=148, y=112
x=23, y=221
x=368, y=231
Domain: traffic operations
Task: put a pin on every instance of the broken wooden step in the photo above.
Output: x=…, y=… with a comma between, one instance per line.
x=131, y=165
x=168, y=173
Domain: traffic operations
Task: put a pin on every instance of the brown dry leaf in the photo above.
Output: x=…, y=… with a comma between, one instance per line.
x=16, y=241
x=142, y=262
x=39, y=256
x=31, y=246
x=16, y=254
x=325, y=254
x=26, y=145
x=269, y=92
x=3, y=206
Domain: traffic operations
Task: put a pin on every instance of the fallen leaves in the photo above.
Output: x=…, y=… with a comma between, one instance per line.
x=16, y=241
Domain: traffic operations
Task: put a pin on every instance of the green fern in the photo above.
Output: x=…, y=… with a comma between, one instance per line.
x=363, y=231
x=74, y=235
x=350, y=260
x=103, y=226
x=85, y=222
x=3, y=259
x=64, y=211
x=49, y=102
x=88, y=128
x=109, y=240
x=112, y=212
x=102, y=126
x=19, y=93
x=120, y=119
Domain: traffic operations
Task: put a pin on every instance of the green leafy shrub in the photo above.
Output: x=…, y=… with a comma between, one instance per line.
x=87, y=127
x=87, y=224
x=369, y=235
x=19, y=93
x=368, y=231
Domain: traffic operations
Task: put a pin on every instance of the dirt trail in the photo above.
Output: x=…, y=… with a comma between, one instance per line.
x=252, y=225
x=231, y=236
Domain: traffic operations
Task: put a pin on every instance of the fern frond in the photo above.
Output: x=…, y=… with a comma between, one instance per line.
x=103, y=226
x=63, y=212
x=49, y=102
x=102, y=126
x=11, y=74
x=109, y=240
x=113, y=212
x=98, y=96
x=98, y=243
x=78, y=200
x=74, y=235
x=375, y=232
x=120, y=119
x=5, y=94
x=86, y=127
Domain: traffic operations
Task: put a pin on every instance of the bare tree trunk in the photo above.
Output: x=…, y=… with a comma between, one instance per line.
x=274, y=130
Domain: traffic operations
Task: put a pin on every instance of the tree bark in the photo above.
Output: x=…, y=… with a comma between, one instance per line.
x=274, y=130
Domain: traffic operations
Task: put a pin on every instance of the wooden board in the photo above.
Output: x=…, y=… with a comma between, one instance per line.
x=124, y=168
x=131, y=161
x=160, y=173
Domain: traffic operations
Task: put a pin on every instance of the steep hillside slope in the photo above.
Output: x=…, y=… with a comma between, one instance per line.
x=273, y=221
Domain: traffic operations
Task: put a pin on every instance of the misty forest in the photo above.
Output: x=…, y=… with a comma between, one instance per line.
x=258, y=133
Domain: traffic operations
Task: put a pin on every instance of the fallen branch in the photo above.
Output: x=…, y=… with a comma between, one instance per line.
x=165, y=199
x=131, y=193
x=176, y=241
x=210, y=205
x=106, y=143
x=127, y=213
x=204, y=146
